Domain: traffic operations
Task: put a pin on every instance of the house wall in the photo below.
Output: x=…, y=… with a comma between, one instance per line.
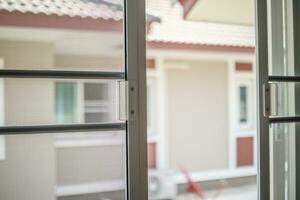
x=89, y=63
x=198, y=114
x=28, y=171
x=90, y=164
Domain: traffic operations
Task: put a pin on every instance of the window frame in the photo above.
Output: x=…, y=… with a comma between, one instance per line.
x=135, y=77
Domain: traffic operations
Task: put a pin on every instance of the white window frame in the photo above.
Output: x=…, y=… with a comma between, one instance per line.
x=238, y=130
x=135, y=124
x=85, y=139
x=110, y=105
x=249, y=84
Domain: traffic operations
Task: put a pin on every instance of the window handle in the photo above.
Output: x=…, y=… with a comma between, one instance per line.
x=127, y=100
x=123, y=100
x=270, y=97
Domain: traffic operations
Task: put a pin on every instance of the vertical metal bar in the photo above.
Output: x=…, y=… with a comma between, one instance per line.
x=137, y=124
x=296, y=39
x=276, y=66
x=263, y=123
x=290, y=100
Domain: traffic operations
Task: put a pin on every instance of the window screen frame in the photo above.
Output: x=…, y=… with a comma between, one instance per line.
x=135, y=76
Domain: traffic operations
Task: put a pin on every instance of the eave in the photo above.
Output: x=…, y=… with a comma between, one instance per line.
x=31, y=20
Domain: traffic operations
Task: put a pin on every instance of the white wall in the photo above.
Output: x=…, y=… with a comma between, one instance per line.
x=198, y=114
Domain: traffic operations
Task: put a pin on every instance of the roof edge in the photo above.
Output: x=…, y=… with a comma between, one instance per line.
x=187, y=6
x=199, y=47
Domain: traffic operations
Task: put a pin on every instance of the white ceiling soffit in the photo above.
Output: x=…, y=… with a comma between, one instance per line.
x=69, y=42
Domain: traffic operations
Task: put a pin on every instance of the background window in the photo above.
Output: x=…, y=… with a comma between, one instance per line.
x=97, y=102
x=84, y=102
x=66, y=102
x=243, y=104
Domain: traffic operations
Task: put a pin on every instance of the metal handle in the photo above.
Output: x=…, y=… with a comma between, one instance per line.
x=123, y=99
x=270, y=96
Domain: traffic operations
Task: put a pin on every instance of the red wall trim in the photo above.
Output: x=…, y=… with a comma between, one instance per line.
x=151, y=155
x=245, y=154
x=187, y=6
x=199, y=47
x=54, y=21
x=150, y=63
x=239, y=66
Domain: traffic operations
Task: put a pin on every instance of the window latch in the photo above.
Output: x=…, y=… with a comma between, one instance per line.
x=127, y=100
x=270, y=99
x=123, y=99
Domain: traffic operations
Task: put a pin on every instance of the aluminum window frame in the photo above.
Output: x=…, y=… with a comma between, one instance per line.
x=261, y=31
x=137, y=165
x=268, y=13
x=135, y=75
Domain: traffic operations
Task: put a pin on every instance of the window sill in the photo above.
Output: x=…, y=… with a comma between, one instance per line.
x=89, y=139
x=217, y=174
x=89, y=188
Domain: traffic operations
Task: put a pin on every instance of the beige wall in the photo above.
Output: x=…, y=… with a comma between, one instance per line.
x=19, y=54
x=198, y=115
x=28, y=171
x=89, y=63
x=29, y=102
x=36, y=95
x=90, y=164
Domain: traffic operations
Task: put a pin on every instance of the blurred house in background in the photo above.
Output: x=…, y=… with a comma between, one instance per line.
x=201, y=95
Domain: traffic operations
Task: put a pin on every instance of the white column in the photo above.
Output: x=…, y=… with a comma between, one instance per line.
x=162, y=113
x=231, y=114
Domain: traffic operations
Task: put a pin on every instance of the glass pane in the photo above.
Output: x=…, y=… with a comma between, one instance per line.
x=63, y=166
x=58, y=101
x=66, y=108
x=282, y=160
x=282, y=60
x=62, y=35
